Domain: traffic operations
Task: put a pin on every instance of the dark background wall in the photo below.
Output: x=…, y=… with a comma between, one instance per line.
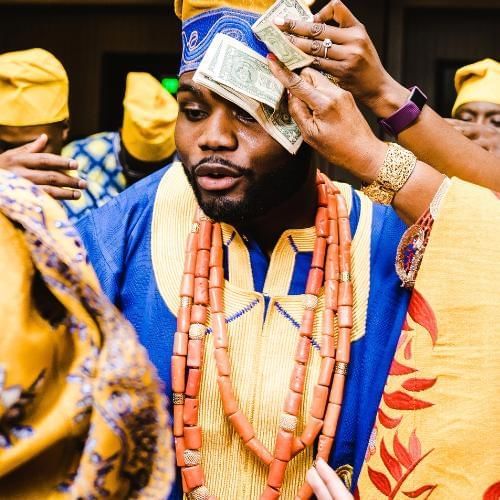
x=99, y=41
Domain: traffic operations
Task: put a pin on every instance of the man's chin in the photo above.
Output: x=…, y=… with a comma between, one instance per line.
x=223, y=207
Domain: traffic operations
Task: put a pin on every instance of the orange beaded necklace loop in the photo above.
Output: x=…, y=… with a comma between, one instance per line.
x=202, y=287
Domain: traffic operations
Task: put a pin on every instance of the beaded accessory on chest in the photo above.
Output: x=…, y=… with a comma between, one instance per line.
x=202, y=288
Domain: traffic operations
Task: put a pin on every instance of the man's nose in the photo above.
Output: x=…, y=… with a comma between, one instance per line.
x=218, y=132
x=481, y=119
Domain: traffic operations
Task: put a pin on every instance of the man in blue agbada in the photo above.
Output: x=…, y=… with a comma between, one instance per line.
x=265, y=199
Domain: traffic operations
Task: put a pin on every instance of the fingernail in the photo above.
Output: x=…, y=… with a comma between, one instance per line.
x=82, y=184
x=76, y=195
x=72, y=165
x=279, y=21
x=272, y=56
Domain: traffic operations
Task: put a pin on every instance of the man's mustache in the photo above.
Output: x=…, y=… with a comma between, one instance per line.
x=222, y=161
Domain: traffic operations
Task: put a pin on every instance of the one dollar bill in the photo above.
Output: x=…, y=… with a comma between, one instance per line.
x=277, y=123
x=240, y=68
x=275, y=40
x=274, y=119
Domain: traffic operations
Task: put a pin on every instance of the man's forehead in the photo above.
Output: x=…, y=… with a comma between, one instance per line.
x=186, y=84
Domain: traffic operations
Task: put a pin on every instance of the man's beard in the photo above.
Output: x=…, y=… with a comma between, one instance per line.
x=267, y=191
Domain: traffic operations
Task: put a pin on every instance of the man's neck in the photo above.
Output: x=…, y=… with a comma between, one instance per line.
x=298, y=212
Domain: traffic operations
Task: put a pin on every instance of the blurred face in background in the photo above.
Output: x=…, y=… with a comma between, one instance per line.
x=482, y=113
x=13, y=137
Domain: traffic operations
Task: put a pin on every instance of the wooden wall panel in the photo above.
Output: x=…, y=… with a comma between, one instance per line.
x=80, y=36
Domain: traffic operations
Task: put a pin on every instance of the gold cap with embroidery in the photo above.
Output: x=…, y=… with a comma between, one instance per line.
x=478, y=82
x=150, y=113
x=33, y=88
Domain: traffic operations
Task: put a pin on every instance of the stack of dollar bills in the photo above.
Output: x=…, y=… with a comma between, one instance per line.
x=239, y=74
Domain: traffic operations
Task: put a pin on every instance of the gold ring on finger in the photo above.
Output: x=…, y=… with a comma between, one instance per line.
x=316, y=62
x=317, y=29
x=316, y=47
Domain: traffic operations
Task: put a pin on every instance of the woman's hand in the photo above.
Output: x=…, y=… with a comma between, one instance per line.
x=352, y=59
x=331, y=122
x=325, y=483
x=44, y=169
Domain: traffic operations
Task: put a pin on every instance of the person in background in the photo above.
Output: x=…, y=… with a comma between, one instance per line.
x=34, y=101
x=112, y=161
x=476, y=112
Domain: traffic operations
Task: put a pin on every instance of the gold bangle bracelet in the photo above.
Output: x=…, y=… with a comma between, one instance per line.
x=397, y=168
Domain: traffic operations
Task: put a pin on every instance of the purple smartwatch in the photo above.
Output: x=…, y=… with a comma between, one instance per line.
x=406, y=114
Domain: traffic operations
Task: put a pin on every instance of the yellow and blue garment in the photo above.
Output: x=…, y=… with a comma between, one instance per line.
x=136, y=244
x=99, y=164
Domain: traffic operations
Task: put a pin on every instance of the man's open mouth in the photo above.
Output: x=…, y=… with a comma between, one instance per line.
x=217, y=177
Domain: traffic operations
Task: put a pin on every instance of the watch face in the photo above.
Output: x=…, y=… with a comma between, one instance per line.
x=418, y=97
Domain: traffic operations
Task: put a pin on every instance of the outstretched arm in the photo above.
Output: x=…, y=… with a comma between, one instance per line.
x=354, y=61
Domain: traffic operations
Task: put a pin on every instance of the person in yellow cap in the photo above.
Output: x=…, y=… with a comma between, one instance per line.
x=34, y=109
x=220, y=262
x=476, y=112
x=112, y=161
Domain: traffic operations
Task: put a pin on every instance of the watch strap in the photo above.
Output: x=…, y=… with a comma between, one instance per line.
x=406, y=114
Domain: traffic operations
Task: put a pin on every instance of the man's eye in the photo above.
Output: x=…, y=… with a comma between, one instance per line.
x=194, y=114
x=244, y=116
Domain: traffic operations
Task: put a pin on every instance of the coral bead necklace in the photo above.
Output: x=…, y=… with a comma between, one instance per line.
x=202, y=288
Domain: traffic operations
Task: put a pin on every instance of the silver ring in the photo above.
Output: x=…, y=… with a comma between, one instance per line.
x=327, y=43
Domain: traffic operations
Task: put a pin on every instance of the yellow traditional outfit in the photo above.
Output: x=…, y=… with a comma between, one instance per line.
x=478, y=82
x=436, y=425
x=81, y=415
x=33, y=88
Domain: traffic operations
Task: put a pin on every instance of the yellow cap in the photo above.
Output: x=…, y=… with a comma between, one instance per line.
x=478, y=82
x=149, y=118
x=33, y=88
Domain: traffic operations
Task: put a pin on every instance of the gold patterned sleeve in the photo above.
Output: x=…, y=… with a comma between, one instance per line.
x=82, y=412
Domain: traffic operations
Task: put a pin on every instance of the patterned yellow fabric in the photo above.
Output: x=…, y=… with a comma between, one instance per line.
x=81, y=412
x=261, y=347
x=33, y=88
x=435, y=434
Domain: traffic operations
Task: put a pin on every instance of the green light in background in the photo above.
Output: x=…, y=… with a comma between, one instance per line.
x=170, y=84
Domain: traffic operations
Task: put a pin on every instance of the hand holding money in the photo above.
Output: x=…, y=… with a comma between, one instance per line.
x=276, y=41
x=242, y=76
x=351, y=59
